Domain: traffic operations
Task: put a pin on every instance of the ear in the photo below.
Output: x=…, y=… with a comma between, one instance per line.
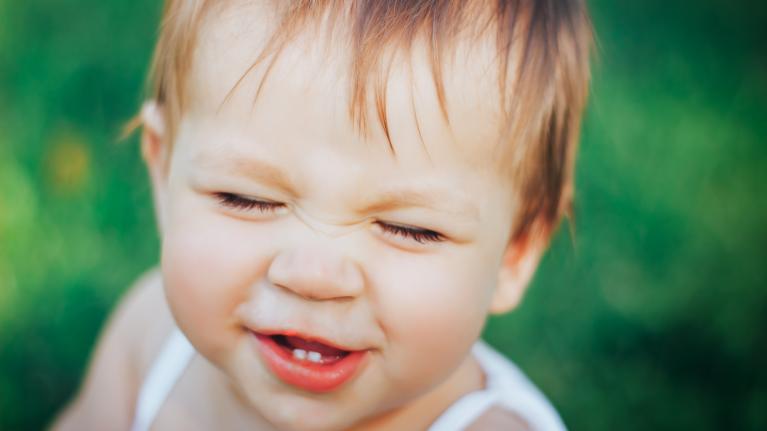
x=155, y=152
x=520, y=261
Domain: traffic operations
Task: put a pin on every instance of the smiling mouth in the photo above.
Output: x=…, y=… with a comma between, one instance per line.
x=306, y=363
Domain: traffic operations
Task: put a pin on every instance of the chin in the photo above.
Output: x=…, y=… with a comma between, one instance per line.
x=305, y=412
x=299, y=421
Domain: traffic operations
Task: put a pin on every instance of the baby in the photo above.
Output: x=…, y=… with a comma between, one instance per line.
x=345, y=190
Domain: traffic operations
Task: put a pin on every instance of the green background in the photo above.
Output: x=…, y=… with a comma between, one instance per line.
x=652, y=316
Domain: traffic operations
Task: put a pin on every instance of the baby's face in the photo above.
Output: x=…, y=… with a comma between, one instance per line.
x=281, y=220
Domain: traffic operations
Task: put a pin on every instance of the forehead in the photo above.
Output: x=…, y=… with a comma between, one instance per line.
x=306, y=89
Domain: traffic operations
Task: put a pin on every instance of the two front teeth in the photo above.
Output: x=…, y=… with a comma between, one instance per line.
x=310, y=356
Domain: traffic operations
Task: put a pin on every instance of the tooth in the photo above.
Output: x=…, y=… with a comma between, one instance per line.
x=300, y=354
x=315, y=357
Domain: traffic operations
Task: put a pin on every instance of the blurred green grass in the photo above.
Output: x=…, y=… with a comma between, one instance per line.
x=654, y=317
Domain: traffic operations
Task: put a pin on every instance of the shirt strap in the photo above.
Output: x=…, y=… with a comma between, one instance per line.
x=175, y=356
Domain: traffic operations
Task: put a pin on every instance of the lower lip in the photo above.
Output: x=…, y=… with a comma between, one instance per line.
x=304, y=374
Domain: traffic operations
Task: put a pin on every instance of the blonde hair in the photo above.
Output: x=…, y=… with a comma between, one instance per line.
x=542, y=46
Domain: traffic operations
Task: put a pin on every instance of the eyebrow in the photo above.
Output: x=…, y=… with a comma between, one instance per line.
x=443, y=201
x=268, y=174
x=259, y=170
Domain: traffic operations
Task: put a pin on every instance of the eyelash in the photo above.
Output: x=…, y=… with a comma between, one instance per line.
x=244, y=204
x=241, y=203
x=418, y=235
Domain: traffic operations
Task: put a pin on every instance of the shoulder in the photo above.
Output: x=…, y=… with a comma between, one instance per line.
x=140, y=324
x=126, y=347
x=518, y=401
x=147, y=320
x=498, y=418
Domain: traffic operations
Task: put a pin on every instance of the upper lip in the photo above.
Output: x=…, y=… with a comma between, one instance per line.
x=350, y=347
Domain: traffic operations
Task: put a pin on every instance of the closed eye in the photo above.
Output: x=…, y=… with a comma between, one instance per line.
x=416, y=234
x=241, y=203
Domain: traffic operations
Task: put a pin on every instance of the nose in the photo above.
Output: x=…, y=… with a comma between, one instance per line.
x=316, y=274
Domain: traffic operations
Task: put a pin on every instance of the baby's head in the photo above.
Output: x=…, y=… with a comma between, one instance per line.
x=345, y=190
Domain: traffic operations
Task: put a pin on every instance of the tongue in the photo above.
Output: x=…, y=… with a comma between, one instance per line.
x=323, y=349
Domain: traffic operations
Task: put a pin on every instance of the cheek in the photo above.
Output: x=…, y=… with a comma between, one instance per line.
x=432, y=310
x=209, y=267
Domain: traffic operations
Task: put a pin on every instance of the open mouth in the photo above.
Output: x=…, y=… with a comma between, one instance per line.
x=312, y=351
x=306, y=363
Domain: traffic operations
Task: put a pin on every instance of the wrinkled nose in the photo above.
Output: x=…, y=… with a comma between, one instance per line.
x=316, y=274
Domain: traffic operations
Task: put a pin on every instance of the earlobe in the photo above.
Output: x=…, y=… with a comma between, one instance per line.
x=517, y=269
x=154, y=151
